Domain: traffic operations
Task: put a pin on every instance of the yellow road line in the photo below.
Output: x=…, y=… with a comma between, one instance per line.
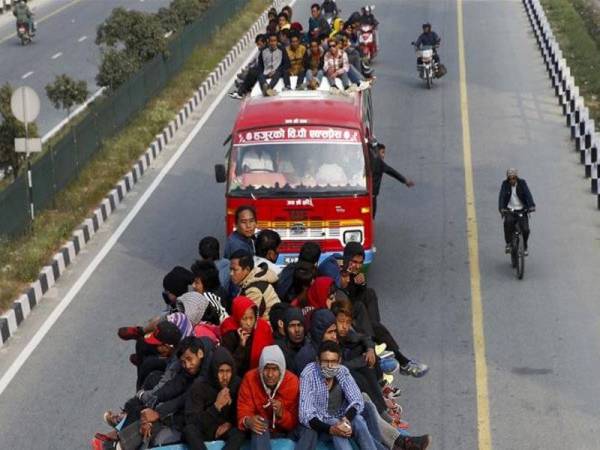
x=43, y=19
x=483, y=410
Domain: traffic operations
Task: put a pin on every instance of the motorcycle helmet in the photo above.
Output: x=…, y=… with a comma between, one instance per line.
x=426, y=25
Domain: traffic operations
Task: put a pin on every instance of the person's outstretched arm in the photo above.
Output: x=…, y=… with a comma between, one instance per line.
x=397, y=175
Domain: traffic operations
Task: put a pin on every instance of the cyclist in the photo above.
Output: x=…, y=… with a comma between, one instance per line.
x=515, y=197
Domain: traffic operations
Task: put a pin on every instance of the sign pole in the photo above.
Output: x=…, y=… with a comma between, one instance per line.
x=27, y=156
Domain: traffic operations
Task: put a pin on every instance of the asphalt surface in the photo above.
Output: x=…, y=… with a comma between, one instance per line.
x=541, y=333
x=64, y=43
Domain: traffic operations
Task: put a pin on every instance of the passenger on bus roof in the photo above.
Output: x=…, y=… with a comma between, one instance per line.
x=211, y=406
x=268, y=400
x=245, y=334
x=255, y=282
x=294, y=337
x=209, y=250
x=273, y=64
x=267, y=250
x=243, y=236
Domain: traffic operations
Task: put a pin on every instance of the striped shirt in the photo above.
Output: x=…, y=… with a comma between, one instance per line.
x=314, y=395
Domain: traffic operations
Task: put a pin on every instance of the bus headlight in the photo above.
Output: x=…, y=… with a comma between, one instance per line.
x=352, y=236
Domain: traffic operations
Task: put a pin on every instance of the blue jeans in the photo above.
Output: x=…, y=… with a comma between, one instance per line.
x=360, y=434
x=355, y=75
x=260, y=441
x=343, y=77
x=310, y=75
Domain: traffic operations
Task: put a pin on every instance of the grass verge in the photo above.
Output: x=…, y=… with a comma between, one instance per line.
x=576, y=25
x=22, y=259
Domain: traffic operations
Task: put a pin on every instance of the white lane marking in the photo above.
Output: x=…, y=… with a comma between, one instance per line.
x=80, y=108
x=27, y=75
x=57, y=55
x=112, y=240
x=82, y=38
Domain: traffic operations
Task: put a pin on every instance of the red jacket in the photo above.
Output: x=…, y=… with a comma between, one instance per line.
x=252, y=399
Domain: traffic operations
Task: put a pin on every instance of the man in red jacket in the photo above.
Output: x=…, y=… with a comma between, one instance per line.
x=268, y=400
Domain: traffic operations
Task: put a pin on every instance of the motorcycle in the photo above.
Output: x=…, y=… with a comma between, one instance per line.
x=426, y=65
x=23, y=33
x=367, y=40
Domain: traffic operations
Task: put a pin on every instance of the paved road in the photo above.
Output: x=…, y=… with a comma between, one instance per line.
x=542, y=338
x=64, y=44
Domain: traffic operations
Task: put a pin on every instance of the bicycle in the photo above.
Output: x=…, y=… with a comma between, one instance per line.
x=517, y=244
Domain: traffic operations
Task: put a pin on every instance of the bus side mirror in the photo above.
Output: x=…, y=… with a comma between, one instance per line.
x=220, y=174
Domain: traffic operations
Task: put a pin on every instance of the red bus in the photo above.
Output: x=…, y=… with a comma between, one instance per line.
x=301, y=158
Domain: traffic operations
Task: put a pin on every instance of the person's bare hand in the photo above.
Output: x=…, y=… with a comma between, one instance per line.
x=223, y=429
x=146, y=430
x=244, y=335
x=277, y=408
x=360, y=279
x=409, y=183
x=370, y=358
x=341, y=429
x=223, y=399
x=148, y=415
x=257, y=424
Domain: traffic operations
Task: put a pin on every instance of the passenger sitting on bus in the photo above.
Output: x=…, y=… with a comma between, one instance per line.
x=267, y=249
x=293, y=337
x=209, y=250
x=248, y=77
x=243, y=236
x=211, y=406
x=296, y=52
x=336, y=65
x=287, y=10
x=283, y=22
x=206, y=282
x=268, y=400
x=245, y=334
x=313, y=64
x=257, y=159
x=284, y=38
x=256, y=282
x=273, y=64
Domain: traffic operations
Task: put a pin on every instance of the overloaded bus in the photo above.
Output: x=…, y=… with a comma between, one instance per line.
x=301, y=158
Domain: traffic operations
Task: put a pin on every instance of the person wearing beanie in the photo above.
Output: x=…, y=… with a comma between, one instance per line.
x=294, y=337
x=323, y=328
x=268, y=400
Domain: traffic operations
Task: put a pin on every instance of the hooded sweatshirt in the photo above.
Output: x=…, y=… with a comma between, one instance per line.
x=316, y=297
x=200, y=401
x=258, y=286
x=246, y=357
x=255, y=398
x=193, y=305
x=290, y=349
x=321, y=320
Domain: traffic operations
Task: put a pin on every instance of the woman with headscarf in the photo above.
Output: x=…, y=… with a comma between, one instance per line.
x=244, y=334
x=320, y=294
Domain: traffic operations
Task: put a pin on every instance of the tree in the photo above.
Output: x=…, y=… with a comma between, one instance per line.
x=64, y=92
x=188, y=10
x=11, y=128
x=116, y=68
x=139, y=33
x=169, y=20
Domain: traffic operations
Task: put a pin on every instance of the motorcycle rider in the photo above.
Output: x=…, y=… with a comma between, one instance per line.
x=515, y=196
x=367, y=17
x=24, y=15
x=428, y=38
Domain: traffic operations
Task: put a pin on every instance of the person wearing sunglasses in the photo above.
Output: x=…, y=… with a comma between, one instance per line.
x=515, y=196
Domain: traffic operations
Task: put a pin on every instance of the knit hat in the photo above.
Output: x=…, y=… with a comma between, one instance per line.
x=193, y=305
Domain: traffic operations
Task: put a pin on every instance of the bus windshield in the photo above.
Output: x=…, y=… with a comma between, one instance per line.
x=297, y=169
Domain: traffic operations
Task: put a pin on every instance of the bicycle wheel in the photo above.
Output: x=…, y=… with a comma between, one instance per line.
x=521, y=259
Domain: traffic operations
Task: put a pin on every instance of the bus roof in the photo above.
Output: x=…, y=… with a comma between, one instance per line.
x=319, y=107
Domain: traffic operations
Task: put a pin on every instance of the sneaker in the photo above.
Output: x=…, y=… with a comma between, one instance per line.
x=414, y=368
x=301, y=87
x=507, y=249
x=389, y=379
x=271, y=93
x=412, y=442
x=113, y=419
x=364, y=85
x=379, y=349
x=392, y=392
x=236, y=95
x=129, y=333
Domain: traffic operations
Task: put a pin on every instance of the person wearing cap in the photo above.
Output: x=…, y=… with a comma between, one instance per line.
x=515, y=196
x=379, y=168
x=211, y=406
x=268, y=400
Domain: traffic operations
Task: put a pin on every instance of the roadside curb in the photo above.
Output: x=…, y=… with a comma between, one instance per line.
x=582, y=127
x=23, y=305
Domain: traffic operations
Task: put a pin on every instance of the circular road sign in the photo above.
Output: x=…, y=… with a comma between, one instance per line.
x=25, y=104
